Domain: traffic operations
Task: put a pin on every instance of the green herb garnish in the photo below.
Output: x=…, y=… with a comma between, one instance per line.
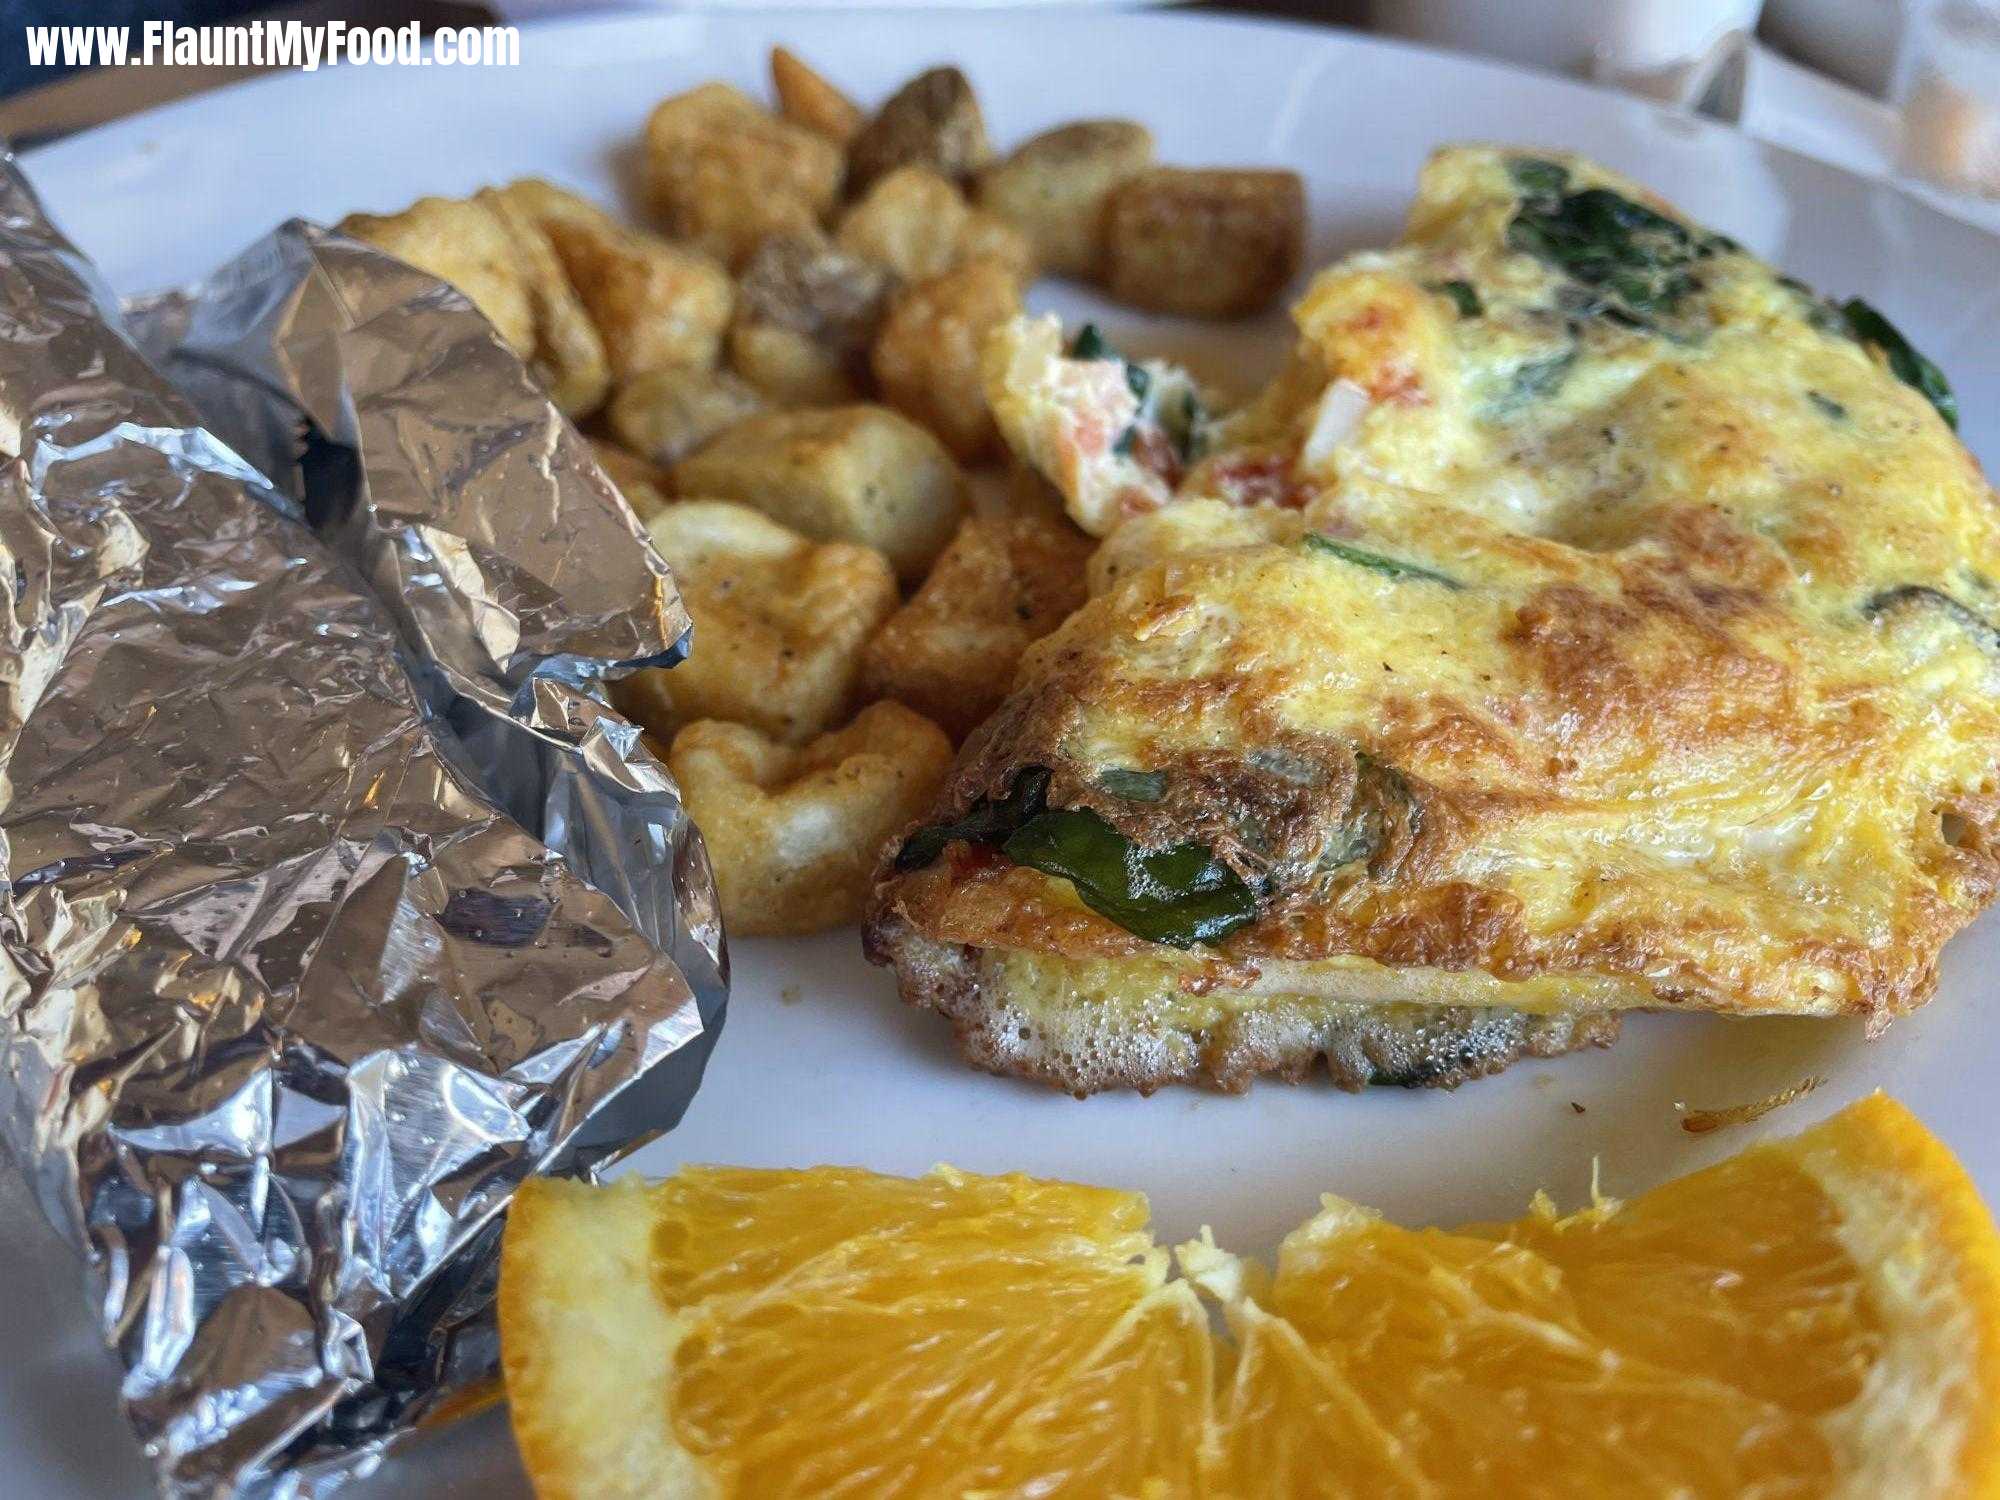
x=1091, y=344
x=1133, y=786
x=1376, y=562
x=1463, y=294
x=1908, y=366
x=1179, y=417
x=1831, y=409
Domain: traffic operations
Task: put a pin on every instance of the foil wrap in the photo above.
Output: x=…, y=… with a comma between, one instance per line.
x=337, y=902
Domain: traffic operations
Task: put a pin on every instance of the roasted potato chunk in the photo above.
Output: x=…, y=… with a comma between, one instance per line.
x=790, y=368
x=725, y=172
x=986, y=236
x=909, y=222
x=794, y=834
x=504, y=266
x=654, y=302
x=779, y=623
x=643, y=486
x=1004, y=582
x=931, y=121
x=927, y=357
x=667, y=413
x=917, y=224
x=1205, y=243
x=848, y=473
x=807, y=99
x=806, y=314
x=1053, y=189
x=570, y=358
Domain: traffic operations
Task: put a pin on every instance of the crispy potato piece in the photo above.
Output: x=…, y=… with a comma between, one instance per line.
x=1053, y=189
x=724, y=172
x=460, y=241
x=927, y=356
x=986, y=236
x=1205, y=243
x=643, y=486
x=794, y=834
x=666, y=414
x=847, y=473
x=790, y=368
x=779, y=623
x=1004, y=582
x=910, y=221
x=917, y=224
x=803, y=282
x=931, y=121
x=570, y=358
x=506, y=269
x=807, y=99
x=655, y=303
x=806, y=313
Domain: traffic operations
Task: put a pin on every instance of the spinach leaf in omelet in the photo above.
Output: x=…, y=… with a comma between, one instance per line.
x=1908, y=366
x=1636, y=260
x=1463, y=294
x=1179, y=895
x=1171, y=403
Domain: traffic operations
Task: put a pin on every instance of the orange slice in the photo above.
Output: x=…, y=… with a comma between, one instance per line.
x=1815, y=1317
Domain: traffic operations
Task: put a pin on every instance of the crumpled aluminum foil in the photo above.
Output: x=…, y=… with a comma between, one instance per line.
x=337, y=902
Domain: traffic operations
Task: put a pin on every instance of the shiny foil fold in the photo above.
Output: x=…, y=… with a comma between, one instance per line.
x=336, y=900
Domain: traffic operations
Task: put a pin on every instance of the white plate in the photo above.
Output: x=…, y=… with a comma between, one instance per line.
x=843, y=1072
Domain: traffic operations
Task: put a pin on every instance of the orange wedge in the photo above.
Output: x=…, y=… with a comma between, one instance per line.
x=1815, y=1317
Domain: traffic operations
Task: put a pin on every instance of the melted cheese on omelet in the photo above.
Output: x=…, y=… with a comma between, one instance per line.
x=1670, y=610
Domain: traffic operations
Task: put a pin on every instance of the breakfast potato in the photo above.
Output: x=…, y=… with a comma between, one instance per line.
x=849, y=473
x=789, y=368
x=794, y=834
x=1004, y=582
x=666, y=414
x=909, y=222
x=779, y=623
x=655, y=303
x=1206, y=243
x=987, y=236
x=724, y=172
x=931, y=121
x=806, y=314
x=927, y=359
x=570, y=359
x=918, y=224
x=643, y=486
x=1053, y=189
x=507, y=270
x=807, y=99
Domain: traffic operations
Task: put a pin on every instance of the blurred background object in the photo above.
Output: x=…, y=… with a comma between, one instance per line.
x=1853, y=41
x=1947, y=85
x=1670, y=50
x=1902, y=88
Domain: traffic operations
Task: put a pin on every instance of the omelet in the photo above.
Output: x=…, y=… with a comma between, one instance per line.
x=1589, y=618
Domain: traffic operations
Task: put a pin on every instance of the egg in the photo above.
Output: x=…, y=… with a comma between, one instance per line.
x=1590, y=618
